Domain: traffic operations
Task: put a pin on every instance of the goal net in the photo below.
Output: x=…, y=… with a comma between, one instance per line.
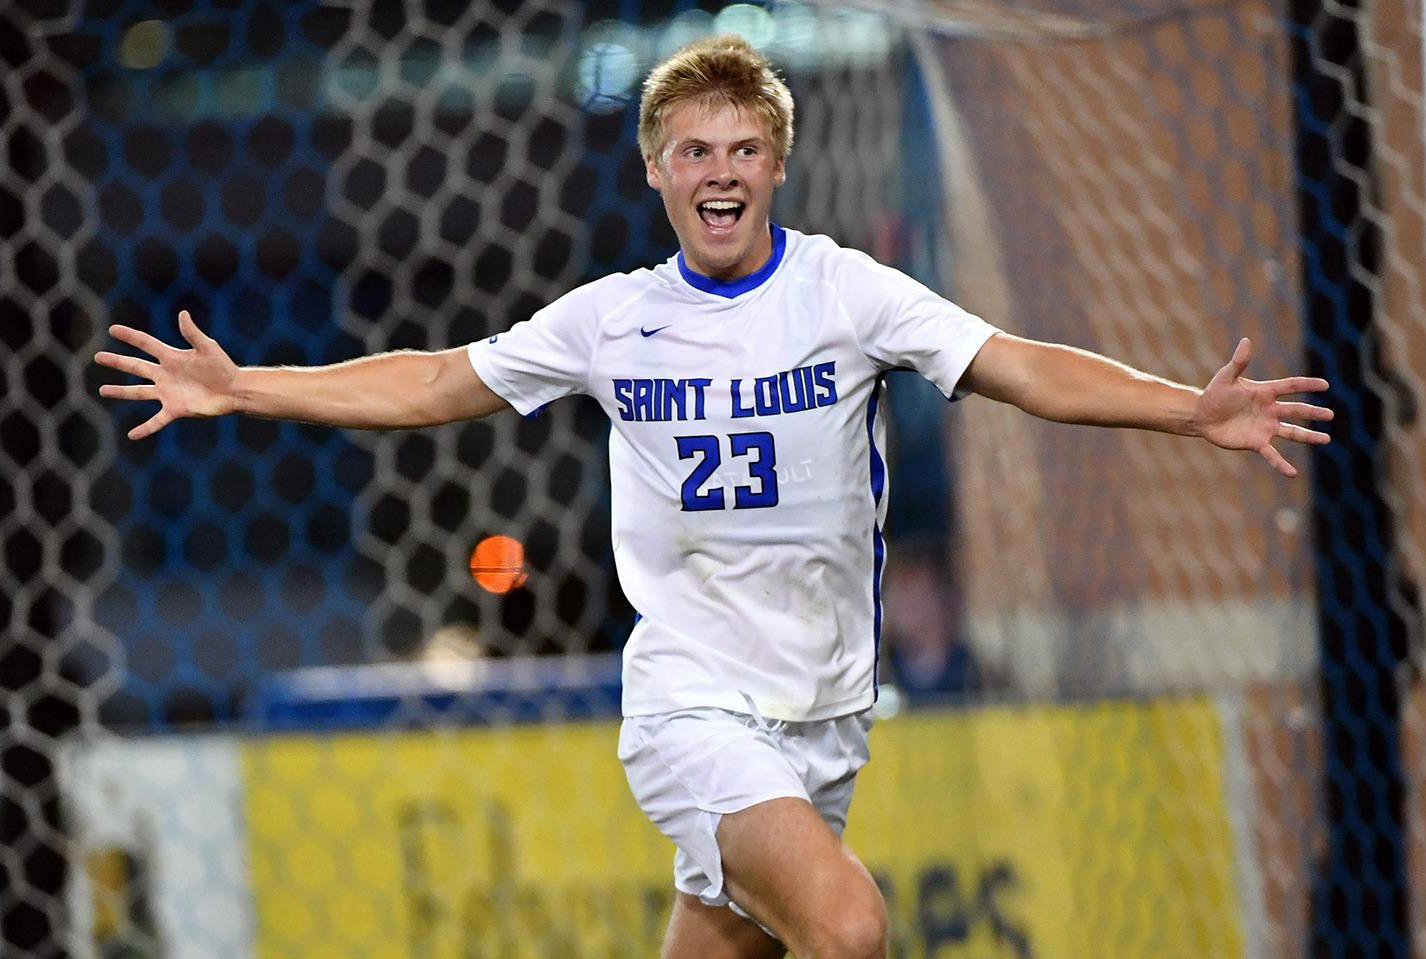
x=1141, y=696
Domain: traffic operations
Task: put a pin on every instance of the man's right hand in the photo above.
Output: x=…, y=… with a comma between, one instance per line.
x=197, y=382
x=401, y=390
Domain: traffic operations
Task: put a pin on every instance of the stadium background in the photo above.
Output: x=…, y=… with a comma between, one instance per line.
x=256, y=706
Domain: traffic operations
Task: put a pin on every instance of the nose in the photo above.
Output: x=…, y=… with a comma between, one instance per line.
x=722, y=174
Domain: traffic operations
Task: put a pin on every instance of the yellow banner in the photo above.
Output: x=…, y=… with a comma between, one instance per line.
x=1059, y=832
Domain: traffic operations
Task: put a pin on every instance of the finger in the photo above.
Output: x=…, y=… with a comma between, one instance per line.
x=143, y=392
x=1299, y=384
x=1302, y=411
x=151, y=425
x=1241, y=355
x=1276, y=461
x=1301, y=434
x=189, y=329
x=138, y=339
x=127, y=364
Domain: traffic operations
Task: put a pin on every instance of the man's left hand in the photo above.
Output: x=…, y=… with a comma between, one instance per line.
x=1237, y=413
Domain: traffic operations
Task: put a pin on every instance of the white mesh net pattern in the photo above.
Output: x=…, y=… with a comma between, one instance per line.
x=1149, y=180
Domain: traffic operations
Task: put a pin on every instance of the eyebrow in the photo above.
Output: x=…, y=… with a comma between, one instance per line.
x=696, y=142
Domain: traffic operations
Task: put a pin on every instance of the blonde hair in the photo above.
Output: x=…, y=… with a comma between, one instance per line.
x=716, y=71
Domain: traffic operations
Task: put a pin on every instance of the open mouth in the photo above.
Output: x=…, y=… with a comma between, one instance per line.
x=720, y=214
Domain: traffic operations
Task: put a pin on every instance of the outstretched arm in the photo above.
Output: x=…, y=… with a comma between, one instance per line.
x=400, y=390
x=1075, y=386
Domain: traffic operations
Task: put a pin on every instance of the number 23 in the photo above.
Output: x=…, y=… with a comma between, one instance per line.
x=762, y=469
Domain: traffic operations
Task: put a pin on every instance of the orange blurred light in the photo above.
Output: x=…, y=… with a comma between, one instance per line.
x=498, y=564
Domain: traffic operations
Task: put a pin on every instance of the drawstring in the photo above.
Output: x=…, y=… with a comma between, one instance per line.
x=763, y=724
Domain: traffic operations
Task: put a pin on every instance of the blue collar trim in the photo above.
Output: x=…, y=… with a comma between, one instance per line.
x=737, y=287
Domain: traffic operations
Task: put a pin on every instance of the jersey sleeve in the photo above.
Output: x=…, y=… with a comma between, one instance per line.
x=540, y=359
x=901, y=324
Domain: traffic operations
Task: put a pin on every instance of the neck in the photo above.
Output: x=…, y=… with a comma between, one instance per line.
x=731, y=283
x=761, y=253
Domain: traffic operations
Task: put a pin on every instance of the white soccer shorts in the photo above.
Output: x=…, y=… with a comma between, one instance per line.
x=689, y=768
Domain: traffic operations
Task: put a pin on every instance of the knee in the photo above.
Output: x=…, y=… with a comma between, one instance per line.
x=855, y=933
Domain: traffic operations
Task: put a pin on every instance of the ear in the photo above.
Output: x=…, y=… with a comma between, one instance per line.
x=779, y=172
x=651, y=173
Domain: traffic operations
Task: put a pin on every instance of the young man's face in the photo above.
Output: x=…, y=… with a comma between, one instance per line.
x=717, y=174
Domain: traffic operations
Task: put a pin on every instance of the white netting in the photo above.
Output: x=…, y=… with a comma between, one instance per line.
x=1151, y=180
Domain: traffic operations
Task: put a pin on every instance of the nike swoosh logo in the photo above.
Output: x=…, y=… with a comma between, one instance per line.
x=652, y=332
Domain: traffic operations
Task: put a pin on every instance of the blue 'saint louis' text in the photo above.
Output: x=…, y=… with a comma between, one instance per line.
x=663, y=400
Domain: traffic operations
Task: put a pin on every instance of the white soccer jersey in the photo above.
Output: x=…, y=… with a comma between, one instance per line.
x=748, y=485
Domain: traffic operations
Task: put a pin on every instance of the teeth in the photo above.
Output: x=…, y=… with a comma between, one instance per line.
x=721, y=205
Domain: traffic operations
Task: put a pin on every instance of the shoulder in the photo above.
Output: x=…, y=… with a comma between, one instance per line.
x=608, y=292
x=599, y=300
x=814, y=251
x=821, y=258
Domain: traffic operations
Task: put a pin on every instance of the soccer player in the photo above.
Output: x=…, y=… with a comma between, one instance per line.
x=742, y=377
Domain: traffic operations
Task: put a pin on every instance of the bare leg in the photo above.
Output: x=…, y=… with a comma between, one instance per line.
x=696, y=931
x=783, y=864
